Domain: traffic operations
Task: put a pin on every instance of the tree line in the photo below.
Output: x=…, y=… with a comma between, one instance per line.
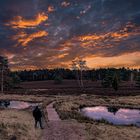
x=123, y=74
x=110, y=77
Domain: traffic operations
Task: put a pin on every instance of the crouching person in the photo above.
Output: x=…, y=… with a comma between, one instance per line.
x=37, y=114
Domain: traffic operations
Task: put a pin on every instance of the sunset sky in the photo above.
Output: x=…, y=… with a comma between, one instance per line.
x=51, y=33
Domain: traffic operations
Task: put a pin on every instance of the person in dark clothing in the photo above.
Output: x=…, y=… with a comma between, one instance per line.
x=37, y=114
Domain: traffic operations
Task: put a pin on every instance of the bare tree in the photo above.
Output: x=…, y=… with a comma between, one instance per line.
x=75, y=69
x=79, y=65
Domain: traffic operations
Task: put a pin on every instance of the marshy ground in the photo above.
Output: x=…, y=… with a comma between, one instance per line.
x=64, y=120
x=73, y=125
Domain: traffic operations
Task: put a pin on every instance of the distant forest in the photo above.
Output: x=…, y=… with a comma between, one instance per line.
x=124, y=74
x=80, y=71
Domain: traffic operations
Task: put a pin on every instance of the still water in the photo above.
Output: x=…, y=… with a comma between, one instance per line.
x=17, y=104
x=117, y=116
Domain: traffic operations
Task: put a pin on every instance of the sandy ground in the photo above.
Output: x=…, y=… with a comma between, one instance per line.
x=62, y=130
x=52, y=114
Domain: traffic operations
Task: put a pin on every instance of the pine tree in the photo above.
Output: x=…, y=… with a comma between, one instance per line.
x=107, y=80
x=58, y=79
x=138, y=81
x=115, y=82
x=14, y=81
x=4, y=71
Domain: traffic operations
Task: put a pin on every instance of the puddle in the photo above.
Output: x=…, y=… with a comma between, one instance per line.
x=17, y=104
x=117, y=116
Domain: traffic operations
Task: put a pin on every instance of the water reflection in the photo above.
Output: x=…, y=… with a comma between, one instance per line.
x=113, y=110
x=4, y=103
x=118, y=116
x=17, y=104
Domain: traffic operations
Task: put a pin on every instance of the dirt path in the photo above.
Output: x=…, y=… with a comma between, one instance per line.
x=62, y=130
x=52, y=114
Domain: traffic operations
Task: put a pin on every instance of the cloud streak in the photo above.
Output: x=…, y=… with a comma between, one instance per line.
x=24, y=39
x=20, y=22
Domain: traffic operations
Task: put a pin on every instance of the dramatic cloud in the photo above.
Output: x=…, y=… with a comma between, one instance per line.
x=106, y=40
x=47, y=34
x=24, y=39
x=20, y=22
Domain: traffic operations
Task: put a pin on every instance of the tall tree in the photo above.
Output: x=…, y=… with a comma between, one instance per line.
x=79, y=66
x=82, y=66
x=107, y=81
x=115, y=82
x=138, y=80
x=75, y=70
x=4, y=72
x=14, y=80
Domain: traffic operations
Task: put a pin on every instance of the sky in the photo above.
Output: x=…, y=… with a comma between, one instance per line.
x=38, y=34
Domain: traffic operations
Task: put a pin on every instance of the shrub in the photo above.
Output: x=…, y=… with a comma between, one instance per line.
x=58, y=80
x=138, y=81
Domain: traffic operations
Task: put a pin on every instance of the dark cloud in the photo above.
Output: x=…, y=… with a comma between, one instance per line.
x=49, y=33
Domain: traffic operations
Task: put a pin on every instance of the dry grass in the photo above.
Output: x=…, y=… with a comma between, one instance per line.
x=109, y=132
x=22, y=97
x=131, y=100
x=19, y=124
x=68, y=108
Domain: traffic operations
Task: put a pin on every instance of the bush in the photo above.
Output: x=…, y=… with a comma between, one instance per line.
x=58, y=80
x=106, y=83
x=138, y=81
x=111, y=80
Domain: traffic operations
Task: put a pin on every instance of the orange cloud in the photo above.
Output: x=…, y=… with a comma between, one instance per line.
x=51, y=9
x=24, y=38
x=20, y=22
x=103, y=40
x=114, y=36
x=62, y=55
